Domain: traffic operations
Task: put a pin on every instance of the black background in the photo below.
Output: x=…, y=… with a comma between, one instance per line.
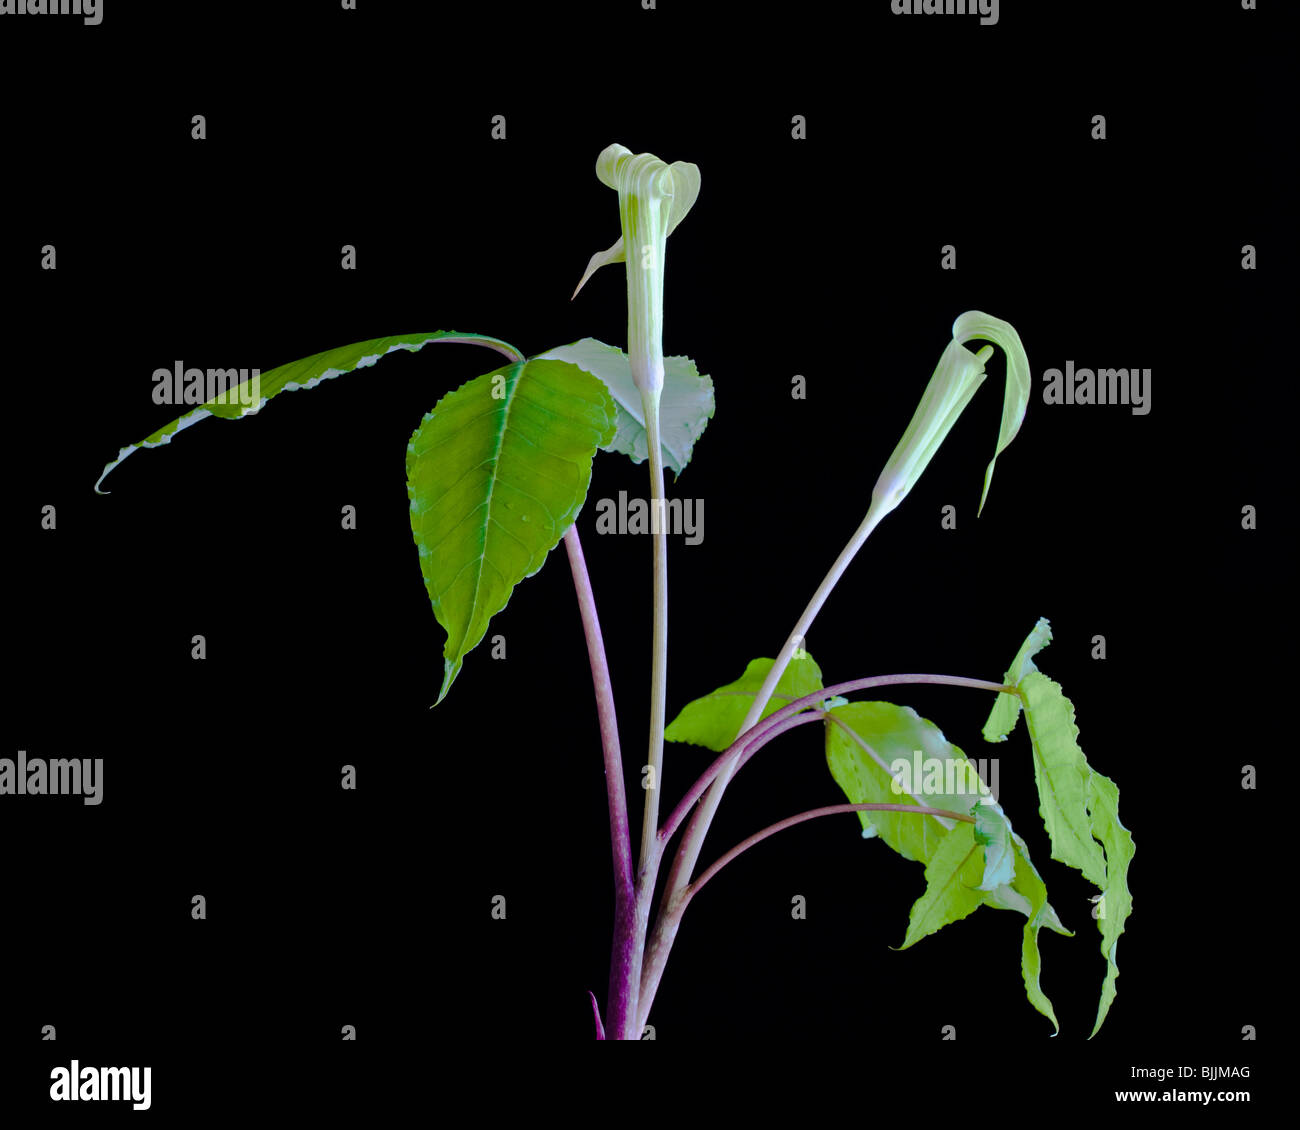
x=817, y=257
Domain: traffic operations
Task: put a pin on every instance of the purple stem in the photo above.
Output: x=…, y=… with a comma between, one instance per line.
x=812, y=814
x=624, y=964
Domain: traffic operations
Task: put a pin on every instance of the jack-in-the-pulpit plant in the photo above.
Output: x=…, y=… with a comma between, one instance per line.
x=497, y=474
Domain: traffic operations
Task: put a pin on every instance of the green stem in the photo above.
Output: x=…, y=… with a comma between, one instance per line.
x=651, y=849
x=659, y=658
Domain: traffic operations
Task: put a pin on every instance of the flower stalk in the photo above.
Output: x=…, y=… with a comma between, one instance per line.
x=653, y=197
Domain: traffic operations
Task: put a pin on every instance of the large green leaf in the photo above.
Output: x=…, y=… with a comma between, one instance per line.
x=934, y=773
x=864, y=776
x=1079, y=806
x=685, y=405
x=247, y=398
x=714, y=721
x=496, y=473
x=954, y=869
x=1061, y=773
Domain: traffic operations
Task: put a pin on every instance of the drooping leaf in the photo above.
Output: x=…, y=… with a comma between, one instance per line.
x=714, y=721
x=1117, y=902
x=1050, y=718
x=919, y=762
x=1006, y=709
x=1061, y=773
x=951, y=876
x=1030, y=884
x=685, y=407
x=495, y=474
x=952, y=890
x=865, y=777
x=249, y=396
x=1079, y=806
x=1013, y=896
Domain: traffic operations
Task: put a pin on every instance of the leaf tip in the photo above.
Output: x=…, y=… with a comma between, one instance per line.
x=988, y=479
x=450, y=670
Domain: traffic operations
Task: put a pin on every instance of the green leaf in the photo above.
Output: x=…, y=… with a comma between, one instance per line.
x=714, y=721
x=1117, y=903
x=918, y=762
x=495, y=474
x=1061, y=773
x=1030, y=884
x=950, y=892
x=1079, y=806
x=1050, y=718
x=1016, y=894
x=953, y=875
x=249, y=396
x=1006, y=709
x=685, y=407
x=865, y=777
